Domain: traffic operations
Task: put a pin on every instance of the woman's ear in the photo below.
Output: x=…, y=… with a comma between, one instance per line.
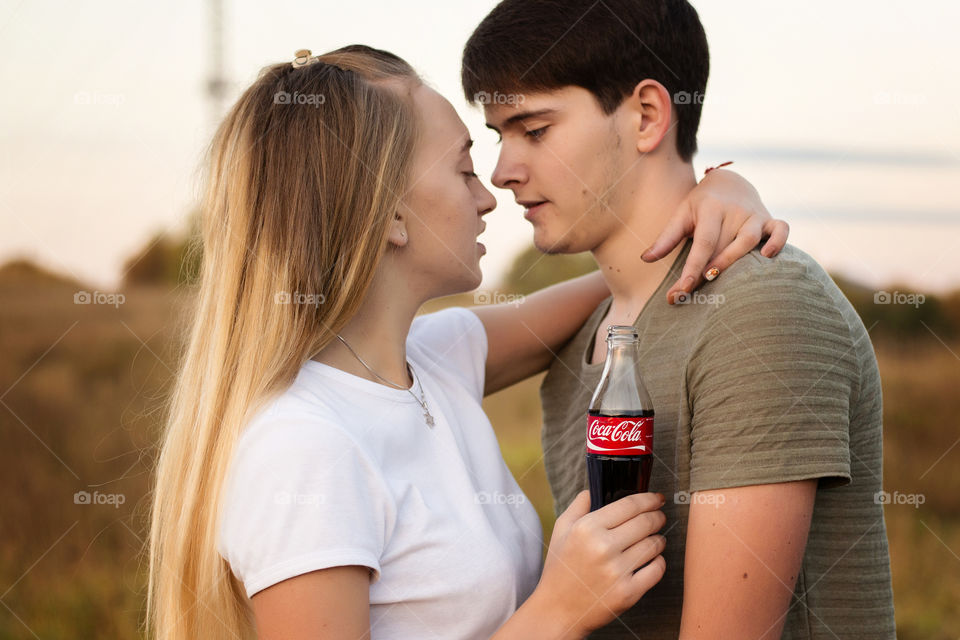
x=652, y=110
x=398, y=232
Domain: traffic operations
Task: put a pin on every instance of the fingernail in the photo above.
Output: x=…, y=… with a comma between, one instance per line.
x=711, y=273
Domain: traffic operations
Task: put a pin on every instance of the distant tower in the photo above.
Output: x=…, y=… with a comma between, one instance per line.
x=216, y=80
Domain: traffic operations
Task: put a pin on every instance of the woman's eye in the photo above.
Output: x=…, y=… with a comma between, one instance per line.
x=536, y=134
x=470, y=174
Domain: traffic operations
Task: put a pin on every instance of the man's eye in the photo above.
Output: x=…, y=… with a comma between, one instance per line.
x=536, y=134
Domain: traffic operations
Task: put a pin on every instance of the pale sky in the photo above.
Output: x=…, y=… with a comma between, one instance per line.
x=845, y=115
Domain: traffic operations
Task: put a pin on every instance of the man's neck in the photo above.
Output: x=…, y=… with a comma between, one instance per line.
x=645, y=214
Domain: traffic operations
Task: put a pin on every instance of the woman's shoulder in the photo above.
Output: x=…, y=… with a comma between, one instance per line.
x=294, y=423
x=302, y=493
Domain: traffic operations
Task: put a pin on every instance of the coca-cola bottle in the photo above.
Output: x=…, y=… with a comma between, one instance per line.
x=619, y=424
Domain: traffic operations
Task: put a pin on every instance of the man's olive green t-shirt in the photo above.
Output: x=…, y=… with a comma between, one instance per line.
x=766, y=375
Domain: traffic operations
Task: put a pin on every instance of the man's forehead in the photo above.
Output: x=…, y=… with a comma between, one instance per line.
x=500, y=112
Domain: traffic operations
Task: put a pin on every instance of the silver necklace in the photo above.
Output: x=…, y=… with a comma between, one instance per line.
x=422, y=400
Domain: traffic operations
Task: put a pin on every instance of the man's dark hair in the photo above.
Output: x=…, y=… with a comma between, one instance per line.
x=606, y=47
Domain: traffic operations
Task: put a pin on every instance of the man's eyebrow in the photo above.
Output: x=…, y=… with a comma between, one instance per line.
x=520, y=117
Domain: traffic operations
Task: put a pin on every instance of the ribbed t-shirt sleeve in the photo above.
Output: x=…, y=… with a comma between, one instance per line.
x=301, y=496
x=454, y=341
x=770, y=384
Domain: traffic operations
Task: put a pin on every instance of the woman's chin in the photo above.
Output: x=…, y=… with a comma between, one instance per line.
x=475, y=280
x=463, y=284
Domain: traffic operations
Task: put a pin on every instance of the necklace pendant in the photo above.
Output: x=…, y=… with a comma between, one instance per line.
x=422, y=400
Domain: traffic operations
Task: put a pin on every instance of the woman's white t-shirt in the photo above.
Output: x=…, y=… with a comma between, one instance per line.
x=339, y=470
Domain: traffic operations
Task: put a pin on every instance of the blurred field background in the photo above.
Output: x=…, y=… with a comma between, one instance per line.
x=84, y=387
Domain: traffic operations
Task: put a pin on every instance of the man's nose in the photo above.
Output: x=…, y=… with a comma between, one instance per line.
x=509, y=172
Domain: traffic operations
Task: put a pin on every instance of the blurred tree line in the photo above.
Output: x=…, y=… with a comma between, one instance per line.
x=171, y=260
x=168, y=259
x=883, y=310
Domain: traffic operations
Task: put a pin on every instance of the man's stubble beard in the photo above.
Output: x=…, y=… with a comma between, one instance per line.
x=600, y=210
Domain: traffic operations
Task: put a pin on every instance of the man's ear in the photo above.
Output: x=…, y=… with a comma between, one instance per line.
x=651, y=111
x=398, y=232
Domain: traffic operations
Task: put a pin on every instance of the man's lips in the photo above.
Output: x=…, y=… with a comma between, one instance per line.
x=531, y=207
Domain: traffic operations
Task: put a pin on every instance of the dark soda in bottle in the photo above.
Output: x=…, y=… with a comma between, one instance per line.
x=619, y=424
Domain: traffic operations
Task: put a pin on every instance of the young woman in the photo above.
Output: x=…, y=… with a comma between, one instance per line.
x=327, y=469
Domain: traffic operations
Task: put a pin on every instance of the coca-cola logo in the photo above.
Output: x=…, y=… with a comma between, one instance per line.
x=626, y=431
x=622, y=436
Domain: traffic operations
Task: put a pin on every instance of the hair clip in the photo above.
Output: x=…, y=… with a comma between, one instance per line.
x=302, y=58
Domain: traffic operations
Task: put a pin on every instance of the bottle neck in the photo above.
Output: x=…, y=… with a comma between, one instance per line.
x=621, y=348
x=621, y=361
x=621, y=387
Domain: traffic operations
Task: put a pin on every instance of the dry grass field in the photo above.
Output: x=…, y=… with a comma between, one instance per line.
x=83, y=390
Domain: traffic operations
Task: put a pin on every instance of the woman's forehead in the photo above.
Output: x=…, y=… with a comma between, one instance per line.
x=443, y=130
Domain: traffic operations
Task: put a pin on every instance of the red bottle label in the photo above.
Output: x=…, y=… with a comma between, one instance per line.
x=623, y=436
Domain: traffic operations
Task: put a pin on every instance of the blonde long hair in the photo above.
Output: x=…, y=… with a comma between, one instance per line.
x=305, y=174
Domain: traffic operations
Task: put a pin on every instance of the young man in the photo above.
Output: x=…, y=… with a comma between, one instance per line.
x=765, y=384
